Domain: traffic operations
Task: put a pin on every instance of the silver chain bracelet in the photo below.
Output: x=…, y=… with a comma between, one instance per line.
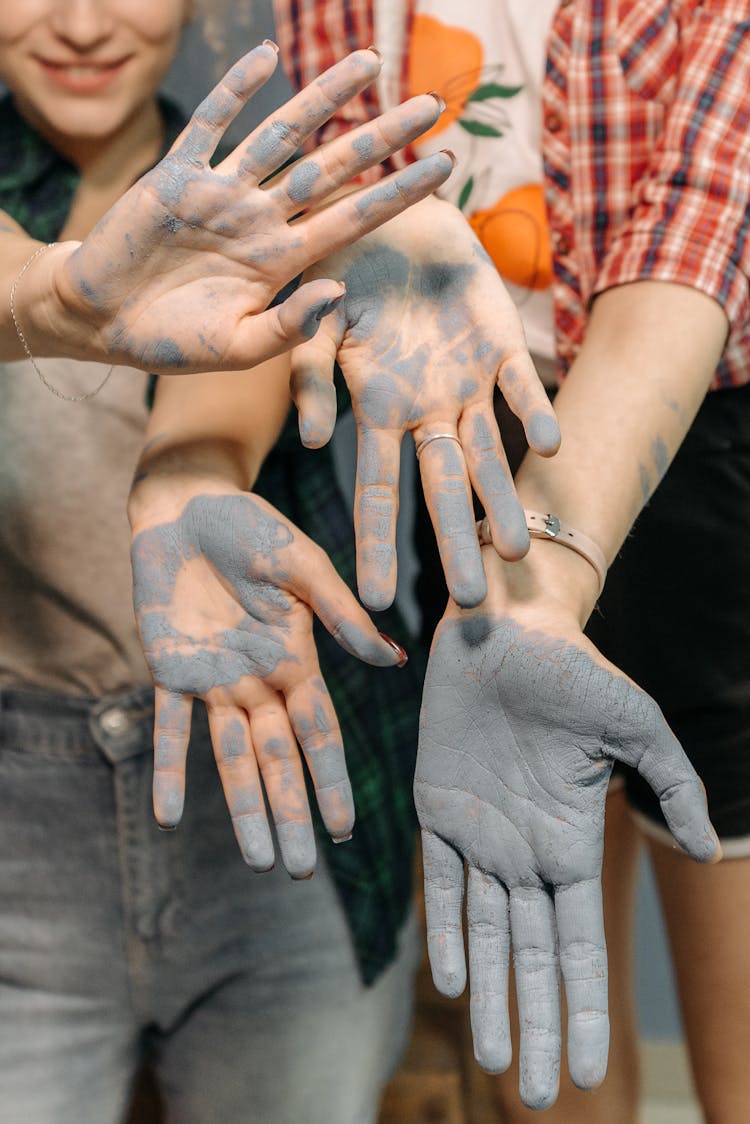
x=58, y=393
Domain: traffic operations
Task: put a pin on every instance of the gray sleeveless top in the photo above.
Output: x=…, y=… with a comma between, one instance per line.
x=66, y=618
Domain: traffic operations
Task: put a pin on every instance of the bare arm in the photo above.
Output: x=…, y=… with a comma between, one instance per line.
x=221, y=424
x=650, y=352
x=522, y=717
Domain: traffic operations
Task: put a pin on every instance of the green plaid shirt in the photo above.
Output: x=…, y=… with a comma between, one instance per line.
x=377, y=708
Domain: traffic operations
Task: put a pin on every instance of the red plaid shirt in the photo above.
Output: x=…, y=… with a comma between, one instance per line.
x=646, y=144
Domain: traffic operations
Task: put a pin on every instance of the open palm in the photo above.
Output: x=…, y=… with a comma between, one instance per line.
x=518, y=733
x=425, y=334
x=224, y=597
x=179, y=274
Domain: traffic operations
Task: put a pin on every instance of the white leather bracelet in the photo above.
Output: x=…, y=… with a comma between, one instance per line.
x=549, y=527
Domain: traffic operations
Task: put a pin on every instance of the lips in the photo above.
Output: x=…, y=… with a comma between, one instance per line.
x=81, y=77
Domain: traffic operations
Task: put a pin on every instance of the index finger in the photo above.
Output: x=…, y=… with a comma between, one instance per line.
x=207, y=125
x=312, y=179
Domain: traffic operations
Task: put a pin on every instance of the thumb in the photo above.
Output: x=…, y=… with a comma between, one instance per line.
x=281, y=327
x=312, y=387
x=665, y=767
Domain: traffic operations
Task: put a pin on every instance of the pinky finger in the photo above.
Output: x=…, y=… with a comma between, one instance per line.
x=172, y=717
x=523, y=391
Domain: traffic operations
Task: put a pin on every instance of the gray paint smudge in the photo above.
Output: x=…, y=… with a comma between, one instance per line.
x=297, y=843
x=268, y=149
x=302, y=180
x=645, y=480
x=660, y=454
x=412, y=177
x=543, y=432
x=363, y=146
x=164, y=353
x=312, y=318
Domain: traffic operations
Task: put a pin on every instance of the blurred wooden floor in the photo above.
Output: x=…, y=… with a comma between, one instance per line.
x=439, y=1082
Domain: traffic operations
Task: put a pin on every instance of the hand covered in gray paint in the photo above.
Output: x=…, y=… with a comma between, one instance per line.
x=178, y=275
x=519, y=729
x=224, y=596
x=423, y=337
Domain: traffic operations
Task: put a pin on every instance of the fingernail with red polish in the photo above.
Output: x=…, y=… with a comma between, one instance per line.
x=400, y=652
x=167, y=826
x=441, y=103
x=375, y=51
x=302, y=877
x=452, y=155
x=270, y=43
x=329, y=306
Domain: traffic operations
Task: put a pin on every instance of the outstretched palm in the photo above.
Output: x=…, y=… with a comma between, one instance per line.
x=425, y=335
x=178, y=274
x=224, y=597
x=519, y=730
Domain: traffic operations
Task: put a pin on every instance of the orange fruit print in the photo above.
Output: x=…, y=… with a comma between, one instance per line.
x=446, y=59
x=515, y=233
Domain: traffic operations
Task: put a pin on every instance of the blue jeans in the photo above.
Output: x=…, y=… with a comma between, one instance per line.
x=120, y=942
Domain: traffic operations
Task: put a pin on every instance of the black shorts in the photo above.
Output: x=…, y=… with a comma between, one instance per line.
x=675, y=612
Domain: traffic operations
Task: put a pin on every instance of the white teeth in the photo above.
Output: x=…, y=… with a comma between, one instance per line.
x=83, y=70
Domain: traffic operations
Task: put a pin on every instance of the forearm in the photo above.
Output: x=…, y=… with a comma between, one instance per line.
x=650, y=353
x=216, y=428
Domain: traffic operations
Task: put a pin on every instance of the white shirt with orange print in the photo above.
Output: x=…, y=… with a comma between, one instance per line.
x=486, y=58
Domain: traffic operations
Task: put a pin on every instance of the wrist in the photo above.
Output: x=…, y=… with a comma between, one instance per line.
x=168, y=477
x=54, y=320
x=549, y=577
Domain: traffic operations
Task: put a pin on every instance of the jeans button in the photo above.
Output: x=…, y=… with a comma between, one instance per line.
x=115, y=721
